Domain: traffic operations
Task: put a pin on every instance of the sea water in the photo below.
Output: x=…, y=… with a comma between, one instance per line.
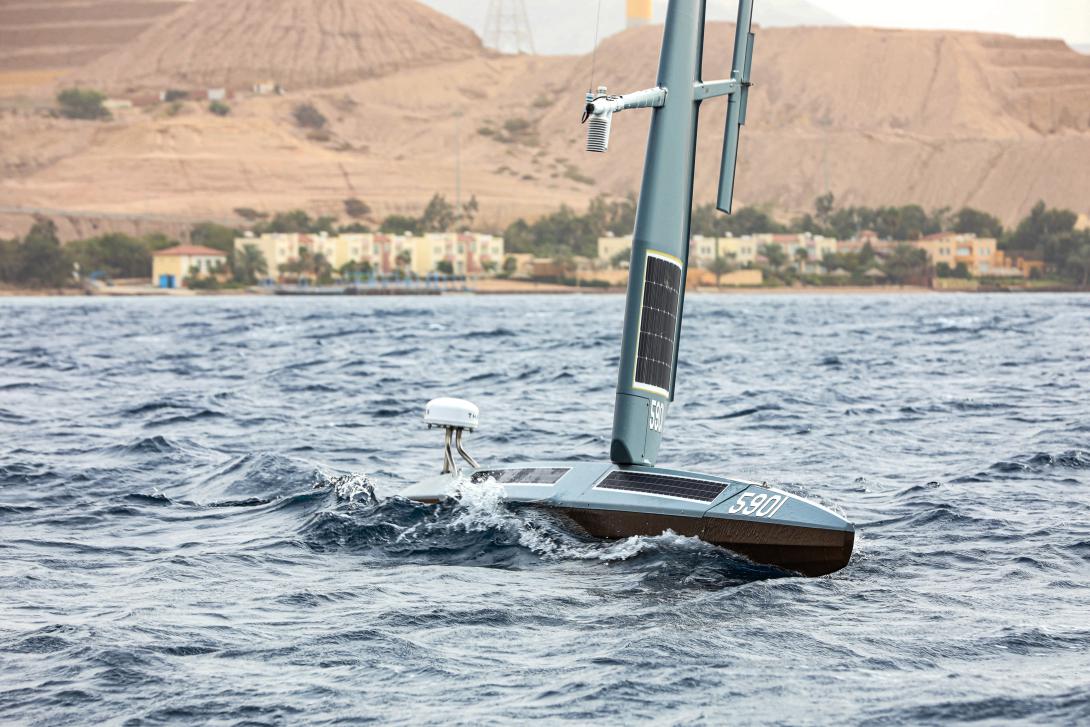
x=200, y=521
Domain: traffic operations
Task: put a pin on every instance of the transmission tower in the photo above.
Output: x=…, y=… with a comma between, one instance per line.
x=507, y=28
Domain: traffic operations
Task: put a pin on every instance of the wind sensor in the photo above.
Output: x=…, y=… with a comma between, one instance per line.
x=630, y=495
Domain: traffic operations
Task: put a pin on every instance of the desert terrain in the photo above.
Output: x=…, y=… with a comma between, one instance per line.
x=414, y=104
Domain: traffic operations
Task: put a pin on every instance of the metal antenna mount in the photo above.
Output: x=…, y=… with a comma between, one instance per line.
x=455, y=416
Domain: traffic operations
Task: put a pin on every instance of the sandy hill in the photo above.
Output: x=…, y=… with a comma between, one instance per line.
x=882, y=116
x=295, y=43
x=42, y=39
x=59, y=34
x=875, y=116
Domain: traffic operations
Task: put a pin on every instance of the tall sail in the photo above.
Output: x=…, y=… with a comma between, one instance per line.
x=660, y=246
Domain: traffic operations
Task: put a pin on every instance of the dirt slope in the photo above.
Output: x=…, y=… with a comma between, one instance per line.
x=875, y=116
x=880, y=117
x=296, y=43
x=60, y=34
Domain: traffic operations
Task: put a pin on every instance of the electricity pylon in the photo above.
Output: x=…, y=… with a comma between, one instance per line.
x=507, y=28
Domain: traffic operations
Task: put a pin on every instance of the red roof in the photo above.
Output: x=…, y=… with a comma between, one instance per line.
x=192, y=250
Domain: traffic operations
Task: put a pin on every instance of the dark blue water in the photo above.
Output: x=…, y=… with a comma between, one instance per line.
x=199, y=518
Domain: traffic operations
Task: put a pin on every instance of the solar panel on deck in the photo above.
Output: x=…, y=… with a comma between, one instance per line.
x=658, y=323
x=524, y=476
x=648, y=484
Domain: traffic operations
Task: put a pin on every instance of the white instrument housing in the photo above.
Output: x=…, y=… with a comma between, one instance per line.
x=448, y=412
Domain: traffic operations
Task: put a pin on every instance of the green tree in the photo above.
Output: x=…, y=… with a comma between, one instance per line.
x=969, y=221
x=824, y=207
x=248, y=265
x=469, y=214
x=617, y=217
x=296, y=221
x=78, y=103
x=404, y=259
x=116, y=254
x=775, y=256
x=438, y=216
x=719, y=267
x=322, y=269
x=446, y=267
x=622, y=258
x=10, y=263
x=400, y=224
x=42, y=260
x=906, y=264
x=356, y=267
x=1042, y=225
x=510, y=266
x=1079, y=261
x=309, y=117
x=211, y=234
x=357, y=208
x=219, y=108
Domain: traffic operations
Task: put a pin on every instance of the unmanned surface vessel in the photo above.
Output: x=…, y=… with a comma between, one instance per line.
x=631, y=496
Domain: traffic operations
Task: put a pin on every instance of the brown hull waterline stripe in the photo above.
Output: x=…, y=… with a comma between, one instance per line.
x=810, y=551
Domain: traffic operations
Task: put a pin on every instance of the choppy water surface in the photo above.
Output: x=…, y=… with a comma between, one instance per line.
x=199, y=517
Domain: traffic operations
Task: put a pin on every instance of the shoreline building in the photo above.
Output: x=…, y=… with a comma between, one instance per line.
x=980, y=255
x=466, y=253
x=739, y=251
x=171, y=268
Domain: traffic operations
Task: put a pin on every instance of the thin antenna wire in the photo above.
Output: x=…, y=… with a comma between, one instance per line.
x=594, y=54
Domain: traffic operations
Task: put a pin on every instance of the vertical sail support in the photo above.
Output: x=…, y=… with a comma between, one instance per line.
x=660, y=244
x=739, y=103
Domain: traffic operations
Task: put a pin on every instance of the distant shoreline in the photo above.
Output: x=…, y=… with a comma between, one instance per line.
x=508, y=288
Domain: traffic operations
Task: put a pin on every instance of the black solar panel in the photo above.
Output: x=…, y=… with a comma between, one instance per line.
x=525, y=476
x=658, y=323
x=648, y=484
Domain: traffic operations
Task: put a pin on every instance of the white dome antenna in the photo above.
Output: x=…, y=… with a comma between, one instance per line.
x=455, y=416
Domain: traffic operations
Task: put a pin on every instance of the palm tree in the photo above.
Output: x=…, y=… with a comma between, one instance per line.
x=323, y=269
x=775, y=255
x=802, y=256
x=248, y=263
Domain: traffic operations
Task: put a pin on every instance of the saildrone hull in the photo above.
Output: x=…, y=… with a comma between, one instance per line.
x=766, y=525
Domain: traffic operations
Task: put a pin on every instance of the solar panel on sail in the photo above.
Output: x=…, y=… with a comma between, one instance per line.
x=664, y=485
x=658, y=323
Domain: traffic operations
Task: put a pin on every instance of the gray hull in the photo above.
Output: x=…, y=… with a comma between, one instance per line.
x=764, y=524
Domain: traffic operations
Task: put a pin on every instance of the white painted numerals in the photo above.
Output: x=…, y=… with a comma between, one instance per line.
x=656, y=420
x=758, y=504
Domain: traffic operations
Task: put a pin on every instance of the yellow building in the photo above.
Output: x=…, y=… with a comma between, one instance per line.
x=981, y=255
x=171, y=268
x=610, y=247
x=467, y=253
x=639, y=13
x=739, y=250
